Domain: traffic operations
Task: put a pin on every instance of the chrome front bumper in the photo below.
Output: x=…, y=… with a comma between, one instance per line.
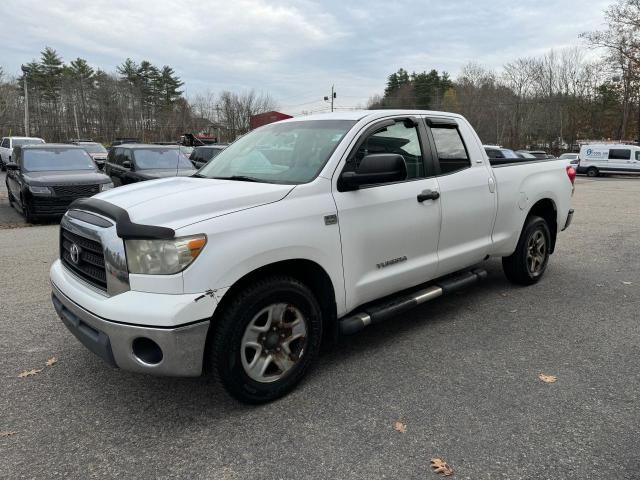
x=182, y=347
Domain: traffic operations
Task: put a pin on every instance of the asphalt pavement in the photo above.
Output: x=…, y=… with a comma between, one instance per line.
x=460, y=372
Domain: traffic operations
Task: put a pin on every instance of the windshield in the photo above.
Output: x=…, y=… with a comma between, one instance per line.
x=53, y=159
x=150, y=158
x=21, y=142
x=289, y=153
x=93, y=148
x=526, y=155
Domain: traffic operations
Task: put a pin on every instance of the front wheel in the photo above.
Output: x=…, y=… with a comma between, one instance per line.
x=266, y=339
x=27, y=212
x=528, y=263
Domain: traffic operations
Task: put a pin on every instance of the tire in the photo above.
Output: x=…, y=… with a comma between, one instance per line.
x=28, y=215
x=239, y=349
x=528, y=263
x=10, y=197
x=592, y=172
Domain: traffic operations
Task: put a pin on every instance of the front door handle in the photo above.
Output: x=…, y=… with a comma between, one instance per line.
x=428, y=195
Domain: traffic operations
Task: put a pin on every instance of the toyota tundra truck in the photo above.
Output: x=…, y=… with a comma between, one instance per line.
x=299, y=232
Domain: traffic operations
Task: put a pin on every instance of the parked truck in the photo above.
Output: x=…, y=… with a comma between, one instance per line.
x=300, y=231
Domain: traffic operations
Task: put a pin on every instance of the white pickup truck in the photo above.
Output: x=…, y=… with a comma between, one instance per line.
x=7, y=145
x=298, y=232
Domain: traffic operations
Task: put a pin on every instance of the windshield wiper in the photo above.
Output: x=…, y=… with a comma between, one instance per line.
x=241, y=178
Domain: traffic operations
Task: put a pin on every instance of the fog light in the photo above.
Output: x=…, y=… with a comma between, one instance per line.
x=147, y=351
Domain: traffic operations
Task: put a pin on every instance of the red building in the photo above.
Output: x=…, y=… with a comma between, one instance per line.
x=265, y=118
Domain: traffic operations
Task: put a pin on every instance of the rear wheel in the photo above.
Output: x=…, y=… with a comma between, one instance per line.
x=592, y=172
x=529, y=261
x=266, y=339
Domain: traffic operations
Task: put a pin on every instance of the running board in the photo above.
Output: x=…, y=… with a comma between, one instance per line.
x=380, y=312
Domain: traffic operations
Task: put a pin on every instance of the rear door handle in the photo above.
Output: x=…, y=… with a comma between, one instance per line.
x=428, y=195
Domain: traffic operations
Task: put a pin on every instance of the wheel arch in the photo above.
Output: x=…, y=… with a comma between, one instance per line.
x=546, y=208
x=308, y=272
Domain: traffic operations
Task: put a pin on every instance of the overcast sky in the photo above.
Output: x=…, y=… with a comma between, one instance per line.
x=293, y=50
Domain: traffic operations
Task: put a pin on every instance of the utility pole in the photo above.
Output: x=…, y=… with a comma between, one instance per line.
x=75, y=117
x=217, y=123
x=333, y=96
x=25, y=72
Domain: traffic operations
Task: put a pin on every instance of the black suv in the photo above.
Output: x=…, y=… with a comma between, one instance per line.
x=132, y=163
x=201, y=155
x=42, y=180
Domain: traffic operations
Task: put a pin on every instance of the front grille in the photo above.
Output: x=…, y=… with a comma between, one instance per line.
x=51, y=205
x=75, y=190
x=90, y=264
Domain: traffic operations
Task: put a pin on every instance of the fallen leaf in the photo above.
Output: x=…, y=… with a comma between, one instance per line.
x=627, y=283
x=513, y=311
x=548, y=378
x=599, y=284
x=52, y=361
x=504, y=294
x=399, y=427
x=30, y=373
x=7, y=434
x=441, y=467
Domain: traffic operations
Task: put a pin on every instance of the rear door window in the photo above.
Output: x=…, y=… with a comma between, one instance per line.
x=619, y=154
x=452, y=153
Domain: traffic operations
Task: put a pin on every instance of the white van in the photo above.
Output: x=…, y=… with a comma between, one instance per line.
x=596, y=159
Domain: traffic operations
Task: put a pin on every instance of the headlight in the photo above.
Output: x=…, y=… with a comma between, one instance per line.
x=39, y=190
x=163, y=257
x=106, y=186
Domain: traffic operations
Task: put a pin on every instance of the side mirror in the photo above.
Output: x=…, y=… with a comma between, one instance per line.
x=127, y=164
x=12, y=166
x=375, y=168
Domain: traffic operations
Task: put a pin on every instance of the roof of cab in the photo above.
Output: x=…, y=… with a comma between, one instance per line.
x=356, y=115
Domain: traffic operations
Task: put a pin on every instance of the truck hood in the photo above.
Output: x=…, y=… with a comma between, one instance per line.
x=73, y=177
x=180, y=201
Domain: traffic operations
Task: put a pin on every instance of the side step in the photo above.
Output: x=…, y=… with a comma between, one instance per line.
x=380, y=312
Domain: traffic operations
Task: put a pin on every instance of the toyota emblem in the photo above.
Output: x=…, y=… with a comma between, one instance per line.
x=74, y=252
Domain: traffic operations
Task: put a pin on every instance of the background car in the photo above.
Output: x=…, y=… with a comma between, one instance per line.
x=131, y=163
x=186, y=151
x=44, y=179
x=201, y=155
x=9, y=143
x=572, y=158
x=537, y=153
x=499, y=155
x=95, y=150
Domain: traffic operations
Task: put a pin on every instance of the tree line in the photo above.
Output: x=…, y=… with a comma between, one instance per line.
x=552, y=101
x=139, y=100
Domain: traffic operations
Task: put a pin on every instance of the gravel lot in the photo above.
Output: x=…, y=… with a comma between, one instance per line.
x=460, y=372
